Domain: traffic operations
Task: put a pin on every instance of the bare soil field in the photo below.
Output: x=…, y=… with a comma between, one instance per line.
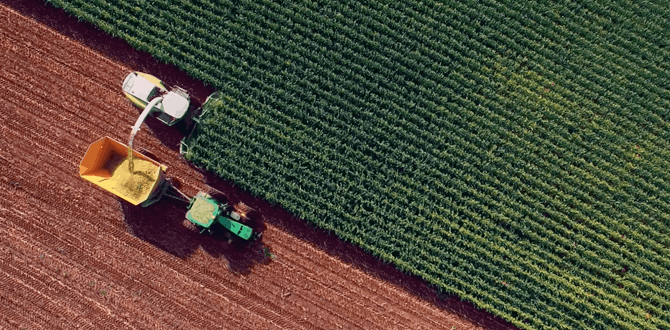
x=73, y=256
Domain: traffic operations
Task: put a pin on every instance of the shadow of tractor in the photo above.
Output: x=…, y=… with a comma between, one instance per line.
x=162, y=225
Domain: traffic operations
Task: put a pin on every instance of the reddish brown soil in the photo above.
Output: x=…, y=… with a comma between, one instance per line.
x=72, y=256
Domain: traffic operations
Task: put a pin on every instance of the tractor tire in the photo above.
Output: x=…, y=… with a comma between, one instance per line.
x=230, y=237
x=190, y=226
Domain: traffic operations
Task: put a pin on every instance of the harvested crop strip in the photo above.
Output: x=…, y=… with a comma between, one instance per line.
x=202, y=211
x=135, y=184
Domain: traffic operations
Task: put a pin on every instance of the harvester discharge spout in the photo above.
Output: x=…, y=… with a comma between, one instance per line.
x=147, y=110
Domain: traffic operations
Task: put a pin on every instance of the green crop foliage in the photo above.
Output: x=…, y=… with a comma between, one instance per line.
x=514, y=153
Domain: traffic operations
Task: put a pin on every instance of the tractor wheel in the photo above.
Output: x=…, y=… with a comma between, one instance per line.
x=243, y=210
x=189, y=225
x=228, y=236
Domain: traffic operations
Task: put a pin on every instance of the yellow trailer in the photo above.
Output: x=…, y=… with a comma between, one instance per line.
x=105, y=164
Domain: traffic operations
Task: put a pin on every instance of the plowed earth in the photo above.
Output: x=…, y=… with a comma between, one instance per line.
x=73, y=256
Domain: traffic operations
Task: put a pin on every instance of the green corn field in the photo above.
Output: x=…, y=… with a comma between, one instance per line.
x=513, y=153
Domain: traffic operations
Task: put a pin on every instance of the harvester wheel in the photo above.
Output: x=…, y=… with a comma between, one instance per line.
x=189, y=225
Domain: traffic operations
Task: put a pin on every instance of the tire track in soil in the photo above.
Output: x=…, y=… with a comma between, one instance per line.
x=12, y=296
x=29, y=298
x=15, y=320
x=15, y=300
x=326, y=302
x=62, y=48
x=94, y=99
x=335, y=286
x=22, y=53
x=48, y=266
x=55, y=208
x=112, y=292
x=58, y=307
x=44, y=107
x=144, y=289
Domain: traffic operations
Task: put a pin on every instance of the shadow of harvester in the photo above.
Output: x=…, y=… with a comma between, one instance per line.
x=161, y=224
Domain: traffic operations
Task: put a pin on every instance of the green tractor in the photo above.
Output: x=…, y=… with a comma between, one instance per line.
x=204, y=211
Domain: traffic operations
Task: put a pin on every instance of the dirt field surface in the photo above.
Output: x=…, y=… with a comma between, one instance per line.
x=73, y=256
